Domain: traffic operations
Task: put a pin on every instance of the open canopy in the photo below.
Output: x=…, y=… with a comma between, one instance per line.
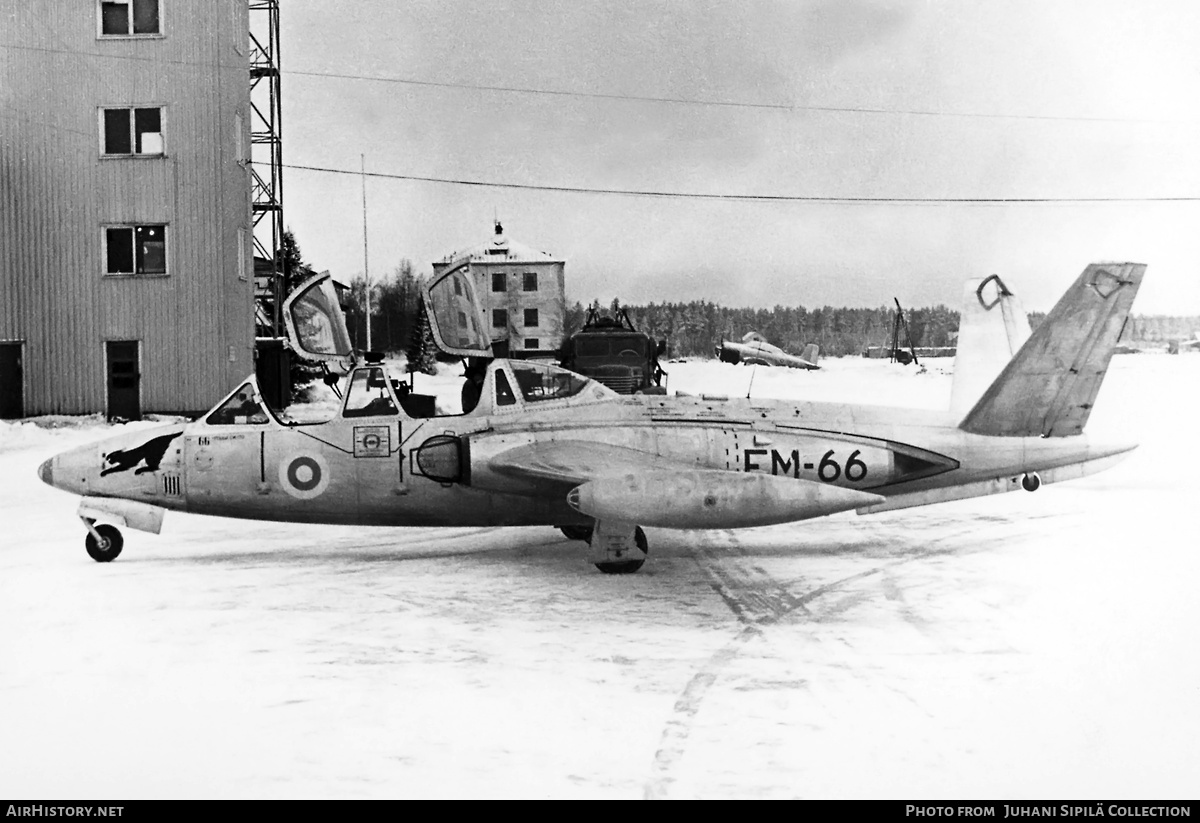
x=456, y=315
x=316, y=327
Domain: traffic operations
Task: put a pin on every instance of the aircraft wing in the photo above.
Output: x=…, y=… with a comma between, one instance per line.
x=616, y=483
x=564, y=464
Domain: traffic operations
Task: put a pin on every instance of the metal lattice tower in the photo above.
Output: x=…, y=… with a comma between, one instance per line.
x=266, y=154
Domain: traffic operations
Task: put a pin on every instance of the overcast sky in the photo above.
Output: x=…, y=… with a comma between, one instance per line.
x=1015, y=99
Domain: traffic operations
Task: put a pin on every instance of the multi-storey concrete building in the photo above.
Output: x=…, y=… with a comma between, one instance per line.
x=125, y=223
x=522, y=293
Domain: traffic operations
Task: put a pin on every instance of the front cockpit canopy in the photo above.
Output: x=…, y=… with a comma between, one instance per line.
x=316, y=326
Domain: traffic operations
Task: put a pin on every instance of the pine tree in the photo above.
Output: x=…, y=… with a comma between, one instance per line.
x=291, y=263
x=295, y=271
x=422, y=351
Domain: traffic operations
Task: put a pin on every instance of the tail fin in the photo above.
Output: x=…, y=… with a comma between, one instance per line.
x=1049, y=387
x=810, y=353
x=991, y=329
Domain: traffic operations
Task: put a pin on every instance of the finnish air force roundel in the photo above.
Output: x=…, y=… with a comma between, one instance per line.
x=304, y=476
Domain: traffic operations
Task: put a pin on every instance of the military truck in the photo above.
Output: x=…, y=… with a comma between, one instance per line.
x=611, y=350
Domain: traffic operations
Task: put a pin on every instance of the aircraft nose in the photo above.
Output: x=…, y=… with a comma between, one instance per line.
x=46, y=472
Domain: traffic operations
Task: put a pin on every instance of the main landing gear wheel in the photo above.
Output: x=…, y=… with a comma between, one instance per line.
x=627, y=566
x=106, y=549
x=583, y=533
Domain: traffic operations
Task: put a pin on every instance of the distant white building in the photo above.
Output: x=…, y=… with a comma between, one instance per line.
x=522, y=293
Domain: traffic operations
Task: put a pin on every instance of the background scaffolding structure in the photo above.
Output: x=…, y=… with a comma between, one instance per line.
x=266, y=160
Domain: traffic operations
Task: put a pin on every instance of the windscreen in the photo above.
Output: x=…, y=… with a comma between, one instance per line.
x=541, y=381
x=242, y=408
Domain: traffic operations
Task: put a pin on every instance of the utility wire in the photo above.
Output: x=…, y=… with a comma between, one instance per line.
x=685, y=101
x=729, y=103
x=774, y=198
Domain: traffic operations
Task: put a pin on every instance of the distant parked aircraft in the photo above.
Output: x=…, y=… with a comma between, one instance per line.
x=754, y=349
x=1176, y=346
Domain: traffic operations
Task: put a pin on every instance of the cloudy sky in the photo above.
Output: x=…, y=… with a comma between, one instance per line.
x=1089, y=99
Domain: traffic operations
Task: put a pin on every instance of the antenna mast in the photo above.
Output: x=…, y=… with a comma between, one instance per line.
x=366, y=271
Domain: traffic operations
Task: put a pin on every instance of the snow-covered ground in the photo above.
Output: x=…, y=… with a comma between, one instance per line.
x=1021, y=646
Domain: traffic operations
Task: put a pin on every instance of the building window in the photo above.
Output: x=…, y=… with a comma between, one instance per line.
x=239, y=138
x=499, y=281
x=243, y=255
x=499, y=318
x=531, y=318
x=531, y=281
x=126, y=18
x=135, y=249
x=532, y=343
x=132, y=131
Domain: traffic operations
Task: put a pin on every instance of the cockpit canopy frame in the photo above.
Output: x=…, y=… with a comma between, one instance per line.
x=456, y=315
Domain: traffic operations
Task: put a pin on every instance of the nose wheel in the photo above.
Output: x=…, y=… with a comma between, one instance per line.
x=103, y=542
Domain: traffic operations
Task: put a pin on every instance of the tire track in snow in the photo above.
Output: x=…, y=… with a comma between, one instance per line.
x=759, y=601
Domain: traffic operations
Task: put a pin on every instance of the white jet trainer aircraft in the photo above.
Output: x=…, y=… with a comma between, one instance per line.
x=755, y=350
x=544, y=446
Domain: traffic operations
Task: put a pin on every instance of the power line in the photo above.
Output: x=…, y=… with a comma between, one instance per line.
x=685, y=101
x=408, y=81
x=773, y=198
x=778, y=198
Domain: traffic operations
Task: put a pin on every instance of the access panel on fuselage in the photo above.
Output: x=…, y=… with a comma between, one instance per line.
x=378, y=468
x=221, y=466
x=309, y=474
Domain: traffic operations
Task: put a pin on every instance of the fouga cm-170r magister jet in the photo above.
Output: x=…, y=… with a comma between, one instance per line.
x=539, y=445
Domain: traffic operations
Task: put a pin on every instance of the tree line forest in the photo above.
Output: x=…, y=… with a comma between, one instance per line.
x=695, y=327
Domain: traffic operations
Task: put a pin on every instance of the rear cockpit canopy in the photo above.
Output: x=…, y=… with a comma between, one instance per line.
x=455, y=314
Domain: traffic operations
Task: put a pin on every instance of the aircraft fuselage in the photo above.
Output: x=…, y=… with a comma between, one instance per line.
x=393, y=470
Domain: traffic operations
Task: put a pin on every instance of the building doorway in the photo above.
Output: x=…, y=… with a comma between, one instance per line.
x=12, y=382
x=124, y=380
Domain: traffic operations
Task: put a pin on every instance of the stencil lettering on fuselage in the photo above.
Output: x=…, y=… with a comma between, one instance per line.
x=304, y=476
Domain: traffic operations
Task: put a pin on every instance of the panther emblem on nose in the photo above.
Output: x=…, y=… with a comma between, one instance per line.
x=151, y=452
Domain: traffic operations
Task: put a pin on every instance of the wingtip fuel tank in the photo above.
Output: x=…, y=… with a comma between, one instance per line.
x=705, y=499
